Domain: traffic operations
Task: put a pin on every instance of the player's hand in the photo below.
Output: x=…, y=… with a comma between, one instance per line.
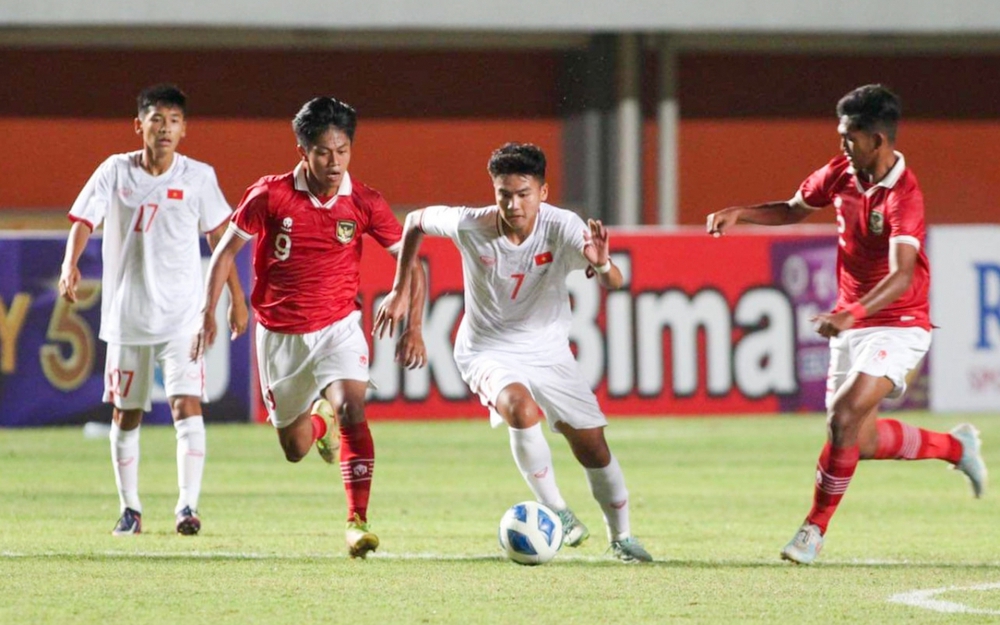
x=832, y=324
x=717, y=223
x=390, y=314
x=205, y=337
x=595, y=239
x=69, y=277
x=239, y=316
x=410, y=350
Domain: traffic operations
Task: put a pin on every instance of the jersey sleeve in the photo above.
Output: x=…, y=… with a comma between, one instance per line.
x=442, y=221
x=573, y=230
x=251, y=213
x=904, y=212
x=213, y=210
x=91, y=206
x=384, y=227
x=816, y=190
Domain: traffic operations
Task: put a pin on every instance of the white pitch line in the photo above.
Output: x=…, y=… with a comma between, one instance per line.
x=924, y=599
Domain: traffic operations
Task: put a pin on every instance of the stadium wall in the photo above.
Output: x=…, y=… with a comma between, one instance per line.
x=749, y=129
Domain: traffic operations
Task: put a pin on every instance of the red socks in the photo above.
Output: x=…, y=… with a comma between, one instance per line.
x=319, y=427
x=357, y=462
x=896, y=440
x=901, y=441
x=833, y=474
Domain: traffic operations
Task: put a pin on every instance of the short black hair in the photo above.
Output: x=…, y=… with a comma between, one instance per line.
x=871, y=108
x=164, y=94
x=525, y=159
x=319, y=114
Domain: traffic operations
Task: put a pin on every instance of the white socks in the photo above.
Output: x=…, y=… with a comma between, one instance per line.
x=608, y=487
x=125, y=461
x=190, y=460
x=534, y=458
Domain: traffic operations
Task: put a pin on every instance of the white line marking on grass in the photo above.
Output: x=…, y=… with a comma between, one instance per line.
x=924, y=599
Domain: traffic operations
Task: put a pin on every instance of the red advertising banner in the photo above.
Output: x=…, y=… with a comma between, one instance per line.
x=703, y=326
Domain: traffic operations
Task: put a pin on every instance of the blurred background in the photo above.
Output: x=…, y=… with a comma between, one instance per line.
x=651, y=113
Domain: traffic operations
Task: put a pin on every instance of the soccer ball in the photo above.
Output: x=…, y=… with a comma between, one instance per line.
x=530, y=533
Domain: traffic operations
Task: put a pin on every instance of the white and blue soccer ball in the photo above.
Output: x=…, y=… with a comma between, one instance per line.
x=530, y=533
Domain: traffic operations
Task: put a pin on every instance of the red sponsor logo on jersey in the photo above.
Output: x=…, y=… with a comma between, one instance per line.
x=544, y=258
x=175, y=194
x=489, y=261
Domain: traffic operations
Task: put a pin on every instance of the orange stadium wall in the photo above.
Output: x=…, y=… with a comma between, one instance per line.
x=430, y=118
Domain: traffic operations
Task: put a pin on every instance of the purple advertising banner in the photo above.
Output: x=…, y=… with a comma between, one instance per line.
x=51, y=361
x=806, y=270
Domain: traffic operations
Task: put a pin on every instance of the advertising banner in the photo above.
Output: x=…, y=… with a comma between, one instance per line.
x=51, y=361
x=965, y=305
x=702, y=326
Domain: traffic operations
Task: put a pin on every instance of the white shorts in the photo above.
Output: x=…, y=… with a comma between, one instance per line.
x=881, y=352
x=295, y=368
x=129, y=372
x=555, y=384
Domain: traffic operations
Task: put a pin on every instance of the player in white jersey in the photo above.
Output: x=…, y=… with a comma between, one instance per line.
x=154, y=204
x=512, y=347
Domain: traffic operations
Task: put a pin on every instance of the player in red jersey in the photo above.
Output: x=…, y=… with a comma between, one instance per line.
x=307, y=262
x=879, y=330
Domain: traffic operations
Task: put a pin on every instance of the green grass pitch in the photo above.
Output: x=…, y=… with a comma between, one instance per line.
x=714, y=500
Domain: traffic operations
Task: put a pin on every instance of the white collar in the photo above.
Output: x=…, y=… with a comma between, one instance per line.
x=888, y=181
x=346, y=188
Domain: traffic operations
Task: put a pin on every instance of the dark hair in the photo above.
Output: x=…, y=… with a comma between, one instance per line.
x=317, y=116
x=871, y=108
x=163, y=94
x=525, y=159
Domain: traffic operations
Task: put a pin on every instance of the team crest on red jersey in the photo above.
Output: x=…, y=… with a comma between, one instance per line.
x=876, y=222
x=345, y=230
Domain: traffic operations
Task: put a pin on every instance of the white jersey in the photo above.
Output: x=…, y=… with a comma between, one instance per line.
x=516, y=298
x=152, y=287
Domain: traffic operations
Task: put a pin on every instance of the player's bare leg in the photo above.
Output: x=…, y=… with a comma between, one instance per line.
x=297, y=437
x=190, y=426
x=607, y=484
x=124, y=438
x=357, y=461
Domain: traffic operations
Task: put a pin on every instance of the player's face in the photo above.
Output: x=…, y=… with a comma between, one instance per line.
x=161, y=127
x=326, y=161
x=518, y=197
x=859, y=146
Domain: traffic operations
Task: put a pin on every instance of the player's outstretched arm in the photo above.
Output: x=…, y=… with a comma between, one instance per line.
x=223, y=260
x=769, y=214
x=394, y=308
x=69, y=274
x=597, y=251
x=239, y=316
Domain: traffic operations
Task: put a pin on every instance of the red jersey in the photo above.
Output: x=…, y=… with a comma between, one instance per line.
x=868, y=218
x=307, y=258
